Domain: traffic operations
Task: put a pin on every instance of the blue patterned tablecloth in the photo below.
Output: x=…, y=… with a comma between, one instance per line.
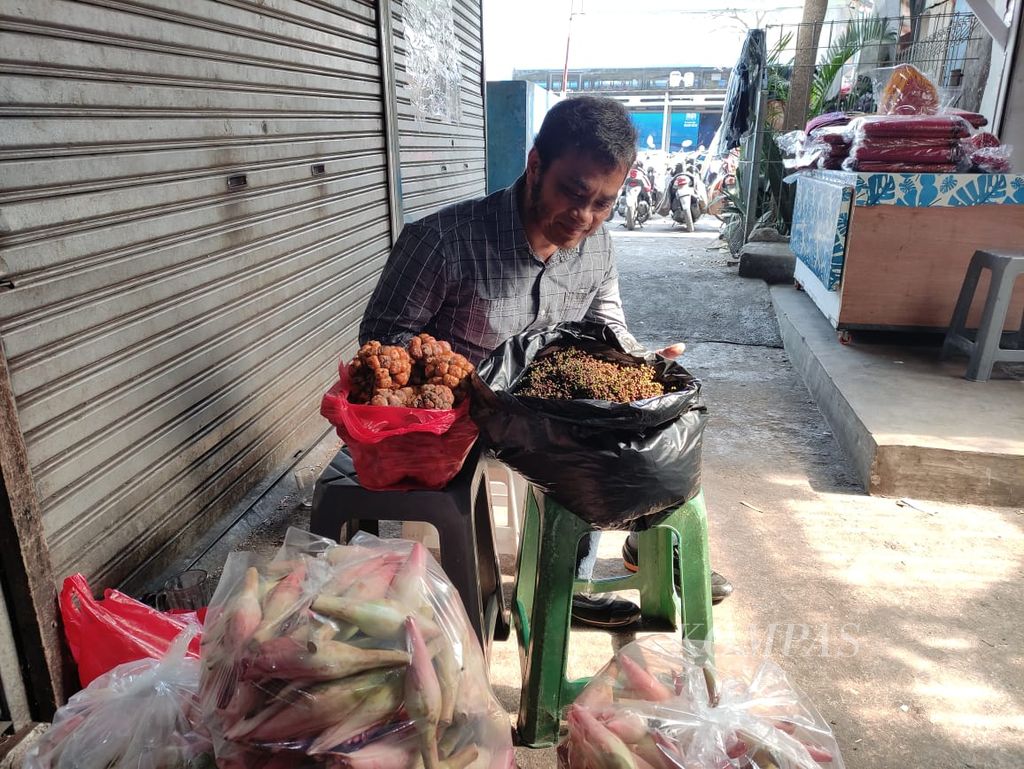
x=821, y=217
x=928, y=190
x=826, y=201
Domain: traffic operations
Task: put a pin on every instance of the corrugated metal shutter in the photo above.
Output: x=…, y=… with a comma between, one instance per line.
x=442, y=159
x=193, y=212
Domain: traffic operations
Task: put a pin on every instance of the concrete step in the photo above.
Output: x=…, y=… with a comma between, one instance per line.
x=910, y=423
x=772, y=262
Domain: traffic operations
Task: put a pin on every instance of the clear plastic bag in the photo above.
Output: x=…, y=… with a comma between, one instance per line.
x=909, y=127
x=906, y=90
x=663, y=704
x=791, y=144
x=906, y=143
x=354, y=656
x=898, y=150
x=140, y=715
x=985, y=154
x=831, y=135
x=829, y=146
x=828, y=120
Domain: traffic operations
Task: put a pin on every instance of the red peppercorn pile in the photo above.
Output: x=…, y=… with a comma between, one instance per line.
x=424, y=375
x=572, y=374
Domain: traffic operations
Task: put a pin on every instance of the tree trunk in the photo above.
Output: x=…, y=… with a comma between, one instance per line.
x=807, y=36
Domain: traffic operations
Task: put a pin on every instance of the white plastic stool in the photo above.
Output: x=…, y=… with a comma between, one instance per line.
x=505, y=489
x=421, y=532
x=985, y=350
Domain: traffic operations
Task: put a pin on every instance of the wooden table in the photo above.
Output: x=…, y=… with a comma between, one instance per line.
x=889, y=251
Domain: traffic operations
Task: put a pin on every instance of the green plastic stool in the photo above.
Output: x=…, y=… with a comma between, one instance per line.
x=546, y=581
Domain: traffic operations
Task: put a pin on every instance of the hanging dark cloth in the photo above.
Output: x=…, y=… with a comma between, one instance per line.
x=741, y=95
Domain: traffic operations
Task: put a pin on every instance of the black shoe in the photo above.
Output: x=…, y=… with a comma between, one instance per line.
x=604, y=611
x=721, y=588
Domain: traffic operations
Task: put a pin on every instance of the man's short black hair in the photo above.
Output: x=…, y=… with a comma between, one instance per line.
x=599, y=127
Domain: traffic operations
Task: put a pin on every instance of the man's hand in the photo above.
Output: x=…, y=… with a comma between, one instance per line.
x=673, y=350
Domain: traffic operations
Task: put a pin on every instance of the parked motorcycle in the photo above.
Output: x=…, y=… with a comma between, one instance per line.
x=688, y=198
x=718, y=199
x=721, y=179
x=656, y=194
x=635, y=199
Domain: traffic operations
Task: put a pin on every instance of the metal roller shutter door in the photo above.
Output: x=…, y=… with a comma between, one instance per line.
x=442, y=160
x=193, y=212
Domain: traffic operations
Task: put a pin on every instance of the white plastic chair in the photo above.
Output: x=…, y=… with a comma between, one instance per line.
x=505, y=490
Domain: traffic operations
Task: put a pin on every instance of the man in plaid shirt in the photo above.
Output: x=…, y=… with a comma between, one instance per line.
x=536, y=254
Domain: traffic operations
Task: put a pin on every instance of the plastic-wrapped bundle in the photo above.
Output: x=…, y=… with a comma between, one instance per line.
x=791, y=143
x=911, y=126
x=889, y=166
x=921, y=151
x=983, y=152
x=976, y=119
x=906, y=143
x=355, y=656
x=662, y=704
x=829, y=119
x=830, y=144
x=908, y=91
x=140, y=715
x=835, y=136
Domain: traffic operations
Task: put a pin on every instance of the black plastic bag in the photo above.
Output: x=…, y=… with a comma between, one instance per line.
x=609, y=463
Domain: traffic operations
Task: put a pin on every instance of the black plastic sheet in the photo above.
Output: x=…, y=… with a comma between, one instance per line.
x=616, y=465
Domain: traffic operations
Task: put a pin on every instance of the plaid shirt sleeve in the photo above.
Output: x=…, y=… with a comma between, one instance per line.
x=410, y=289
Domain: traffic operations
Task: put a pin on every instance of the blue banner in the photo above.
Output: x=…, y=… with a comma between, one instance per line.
x=683, y=126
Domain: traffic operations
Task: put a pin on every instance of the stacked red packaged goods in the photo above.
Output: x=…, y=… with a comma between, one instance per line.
x=908, y=143
x=834, y=145
x=914, y=134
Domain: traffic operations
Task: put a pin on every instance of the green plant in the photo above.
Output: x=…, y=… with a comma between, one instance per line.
x=778, y=74
x=857, y=35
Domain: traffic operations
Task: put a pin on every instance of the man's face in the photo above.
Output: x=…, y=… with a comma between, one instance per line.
x=571, y=198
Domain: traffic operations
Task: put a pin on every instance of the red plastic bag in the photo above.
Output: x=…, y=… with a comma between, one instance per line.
x=400, y=448
x=117, y=629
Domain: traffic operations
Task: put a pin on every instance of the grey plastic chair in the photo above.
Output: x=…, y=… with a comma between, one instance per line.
x=985, y=348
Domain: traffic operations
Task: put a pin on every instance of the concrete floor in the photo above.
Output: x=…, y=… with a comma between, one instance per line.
x=899, y=619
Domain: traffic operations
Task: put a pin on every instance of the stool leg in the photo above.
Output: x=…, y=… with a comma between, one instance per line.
x=526, y=575
x=512, y=500
x=658, y=599
x=459, y=561
x=1020, y=334
x=958, y=323
x=695, y=571
x=990, y=330
x=321, y=522
x=542, y=696
x=491, y=596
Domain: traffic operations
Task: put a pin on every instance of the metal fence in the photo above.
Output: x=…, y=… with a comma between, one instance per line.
x=848, y=72
x=951, y=48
